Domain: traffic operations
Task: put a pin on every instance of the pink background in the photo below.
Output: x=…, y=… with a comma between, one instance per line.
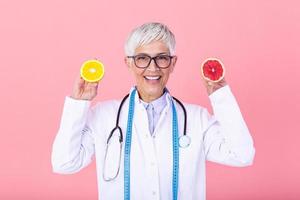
x=43, y=44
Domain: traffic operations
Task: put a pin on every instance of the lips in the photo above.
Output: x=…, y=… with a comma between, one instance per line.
x=151, y=78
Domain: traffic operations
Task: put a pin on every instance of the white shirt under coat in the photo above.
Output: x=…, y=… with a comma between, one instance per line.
x=154, y=109
x=222, y=138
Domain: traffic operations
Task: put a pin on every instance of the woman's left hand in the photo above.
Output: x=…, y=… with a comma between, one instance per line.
x=212, y=86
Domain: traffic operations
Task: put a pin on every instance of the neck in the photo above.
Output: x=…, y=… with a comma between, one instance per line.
x=149, y=98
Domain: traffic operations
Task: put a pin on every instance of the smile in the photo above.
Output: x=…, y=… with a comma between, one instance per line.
x=152, y=77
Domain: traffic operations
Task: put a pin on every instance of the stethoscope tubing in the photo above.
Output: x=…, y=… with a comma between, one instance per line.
x=184, y=137
x=119, y=113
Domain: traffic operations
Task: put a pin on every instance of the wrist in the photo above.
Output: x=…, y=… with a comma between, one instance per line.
x=212, y=87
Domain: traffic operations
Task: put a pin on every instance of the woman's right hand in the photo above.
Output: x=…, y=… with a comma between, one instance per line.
x=84, y=90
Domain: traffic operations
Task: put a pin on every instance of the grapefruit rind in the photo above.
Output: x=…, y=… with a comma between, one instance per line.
x=208, y=79
x=86, y=70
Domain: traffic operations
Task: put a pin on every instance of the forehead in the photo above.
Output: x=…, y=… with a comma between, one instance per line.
x=153, y=48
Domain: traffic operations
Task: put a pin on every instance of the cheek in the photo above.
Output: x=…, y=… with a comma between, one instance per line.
x=138, y=75
x=166, y=75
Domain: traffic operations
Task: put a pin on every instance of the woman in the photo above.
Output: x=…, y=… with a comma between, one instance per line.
x=153, y=163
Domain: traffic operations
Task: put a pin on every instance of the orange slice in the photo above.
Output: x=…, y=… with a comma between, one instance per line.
x=92, y=70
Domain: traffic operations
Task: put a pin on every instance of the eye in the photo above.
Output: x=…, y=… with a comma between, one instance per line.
x=163, y=58
x=141, y=58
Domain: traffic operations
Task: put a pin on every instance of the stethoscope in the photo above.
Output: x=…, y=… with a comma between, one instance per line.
x=183, y=141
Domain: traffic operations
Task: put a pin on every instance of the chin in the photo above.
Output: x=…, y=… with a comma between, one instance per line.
x=154, y=92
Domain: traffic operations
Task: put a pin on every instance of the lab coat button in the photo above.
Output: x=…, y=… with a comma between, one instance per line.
x=153, y=193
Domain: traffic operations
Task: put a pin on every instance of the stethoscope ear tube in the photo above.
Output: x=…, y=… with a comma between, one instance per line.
x=106, y=178
x=119, y=110
x=118, y=118
x=112, y=133
x=184, y=140
x=185, y=115
x=117, y=122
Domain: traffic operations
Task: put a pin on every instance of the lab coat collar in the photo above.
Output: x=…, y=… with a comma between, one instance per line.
x=139, y=102
x=139, y=106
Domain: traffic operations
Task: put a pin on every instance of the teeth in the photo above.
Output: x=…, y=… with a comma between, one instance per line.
x=152, y=77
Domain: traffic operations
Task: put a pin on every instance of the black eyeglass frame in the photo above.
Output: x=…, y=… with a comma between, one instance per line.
x=151, y=58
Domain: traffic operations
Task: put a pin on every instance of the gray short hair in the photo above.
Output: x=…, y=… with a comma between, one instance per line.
x=147, y=33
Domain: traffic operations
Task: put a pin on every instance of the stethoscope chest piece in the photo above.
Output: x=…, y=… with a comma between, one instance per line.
x=184, y=141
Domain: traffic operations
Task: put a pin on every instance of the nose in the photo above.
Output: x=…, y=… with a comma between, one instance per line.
x=152, y=66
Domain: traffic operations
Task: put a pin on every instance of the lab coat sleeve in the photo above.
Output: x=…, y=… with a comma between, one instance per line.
x=227, y=139
x=73, y=147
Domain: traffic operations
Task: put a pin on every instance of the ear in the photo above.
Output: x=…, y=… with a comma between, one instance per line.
x=128, y=62
x=174, y=60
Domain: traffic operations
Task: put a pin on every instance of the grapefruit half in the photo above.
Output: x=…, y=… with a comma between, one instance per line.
x=213, y=70
x=92, y=70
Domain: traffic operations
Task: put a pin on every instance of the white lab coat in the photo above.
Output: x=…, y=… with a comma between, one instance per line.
x=223, y=138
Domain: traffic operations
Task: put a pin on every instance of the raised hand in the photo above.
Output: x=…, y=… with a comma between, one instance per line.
x=83, y=90
x=213, y=86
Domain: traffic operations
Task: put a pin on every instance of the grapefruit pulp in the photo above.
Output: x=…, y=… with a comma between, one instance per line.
x=92, y=70
x=213, y=70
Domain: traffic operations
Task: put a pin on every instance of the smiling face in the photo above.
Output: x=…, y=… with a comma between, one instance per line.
x=151, y=81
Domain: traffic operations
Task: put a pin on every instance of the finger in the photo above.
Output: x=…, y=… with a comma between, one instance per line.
x=210, y=83
x=94, y=84
x=92, y=87
x=79, y=80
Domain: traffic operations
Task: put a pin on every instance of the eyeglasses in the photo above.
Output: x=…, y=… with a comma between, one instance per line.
x=143, y=60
